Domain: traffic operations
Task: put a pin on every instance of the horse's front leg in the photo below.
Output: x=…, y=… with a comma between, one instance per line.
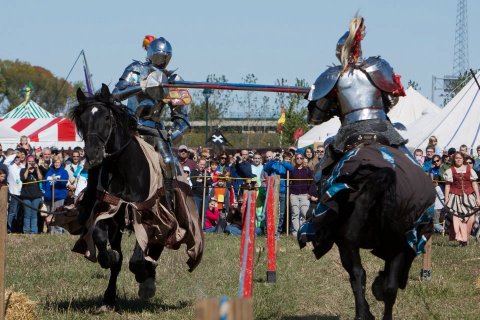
x=350, y=257
x=106, y=257
x=145, y=270
x=395, y=277
x=115, y=239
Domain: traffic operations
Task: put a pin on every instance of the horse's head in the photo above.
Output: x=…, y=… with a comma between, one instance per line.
x=97, y=119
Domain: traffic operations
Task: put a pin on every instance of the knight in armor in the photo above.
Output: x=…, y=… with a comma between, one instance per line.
x=149, y=109
x=360, y=92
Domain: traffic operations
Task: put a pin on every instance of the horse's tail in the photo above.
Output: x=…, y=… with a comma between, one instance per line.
x=377, y=196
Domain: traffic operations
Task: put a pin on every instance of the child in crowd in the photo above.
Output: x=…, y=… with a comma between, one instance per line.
x=222, y=194
x=212, y=216
x=213, y=170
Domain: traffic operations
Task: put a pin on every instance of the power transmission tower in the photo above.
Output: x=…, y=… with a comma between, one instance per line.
x=460, y=55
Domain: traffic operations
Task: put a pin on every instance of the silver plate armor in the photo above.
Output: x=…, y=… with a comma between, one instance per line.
x=147, y=101
x=360, y=91
x=324, y=83
x=381, y=73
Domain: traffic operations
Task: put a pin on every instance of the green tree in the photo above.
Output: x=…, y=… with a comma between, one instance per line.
x=415, y=85
x=218, y=103
x=248, y=102
x=14, y=75
x=295, y=110
x=453, y=86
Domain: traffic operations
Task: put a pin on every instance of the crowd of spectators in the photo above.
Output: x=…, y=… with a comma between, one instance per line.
x=49, y=178
x=218, y=180
x=40, y=180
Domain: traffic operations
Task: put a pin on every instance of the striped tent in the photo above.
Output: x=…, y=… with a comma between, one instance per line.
x=28, y=110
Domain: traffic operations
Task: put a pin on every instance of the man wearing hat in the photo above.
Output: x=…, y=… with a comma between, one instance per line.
x=183, y=158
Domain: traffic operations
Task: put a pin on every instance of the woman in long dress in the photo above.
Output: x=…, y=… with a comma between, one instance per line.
x=462, y=197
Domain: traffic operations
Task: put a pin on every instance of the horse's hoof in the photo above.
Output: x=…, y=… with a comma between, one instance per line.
x=104, y=309
x=146, y=289
x=377, y=288
x=114, y=256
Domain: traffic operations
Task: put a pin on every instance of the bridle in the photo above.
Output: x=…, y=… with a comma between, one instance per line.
x=105, y=141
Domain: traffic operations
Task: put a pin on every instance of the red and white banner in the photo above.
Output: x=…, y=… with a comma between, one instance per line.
x=58, y=132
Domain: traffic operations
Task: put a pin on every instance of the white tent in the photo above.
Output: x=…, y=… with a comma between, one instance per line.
x=58, y=132
x=411, y=108
x=28, y=109
x=456, y=124
x=408, y=110
x=319, y=133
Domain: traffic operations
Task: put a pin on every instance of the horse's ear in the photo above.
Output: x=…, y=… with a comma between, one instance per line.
x=80, y=95
x=105, y=92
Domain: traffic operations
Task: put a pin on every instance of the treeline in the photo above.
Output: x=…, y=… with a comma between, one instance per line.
x=50, y=92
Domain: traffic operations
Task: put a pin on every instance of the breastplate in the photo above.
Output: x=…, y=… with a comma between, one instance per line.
x=355, y=92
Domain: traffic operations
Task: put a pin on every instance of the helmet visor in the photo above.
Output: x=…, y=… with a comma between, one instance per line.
x=160, y=59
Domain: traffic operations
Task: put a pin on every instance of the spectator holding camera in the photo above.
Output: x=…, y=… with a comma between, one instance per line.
x=280, y=166
x=31, y=195
x=57, y=178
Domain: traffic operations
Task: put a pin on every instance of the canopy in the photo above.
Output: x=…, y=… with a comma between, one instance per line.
x=456, y=124
x=58, y=132
x=28, y=109
x=409, y=109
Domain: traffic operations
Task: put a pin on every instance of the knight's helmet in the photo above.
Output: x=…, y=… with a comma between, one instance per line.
x=349, y=48
x=159, y=52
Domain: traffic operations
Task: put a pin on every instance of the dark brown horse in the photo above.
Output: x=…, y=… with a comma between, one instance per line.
x=383, y=201
x=119, y=197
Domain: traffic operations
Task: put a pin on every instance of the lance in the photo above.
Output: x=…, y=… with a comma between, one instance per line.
x=235, y=86
x=156, y=85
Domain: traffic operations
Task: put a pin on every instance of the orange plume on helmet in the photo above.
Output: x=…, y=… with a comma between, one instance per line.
x=147, y=40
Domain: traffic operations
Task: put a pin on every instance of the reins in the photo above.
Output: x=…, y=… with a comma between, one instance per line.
x=106, y=140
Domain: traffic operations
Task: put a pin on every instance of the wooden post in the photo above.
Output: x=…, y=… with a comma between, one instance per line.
x=224, y=308
x=271, y=230
x=3, y=245
x=426, y=272
x=53, y=196
x=203, y=199
x=247, y=245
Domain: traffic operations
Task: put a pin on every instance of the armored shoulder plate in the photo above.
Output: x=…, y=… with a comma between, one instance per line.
x=324, y=83
x=380, y=73
x=131, y=75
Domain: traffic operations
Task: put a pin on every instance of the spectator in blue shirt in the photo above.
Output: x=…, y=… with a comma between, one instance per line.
x=280, y=166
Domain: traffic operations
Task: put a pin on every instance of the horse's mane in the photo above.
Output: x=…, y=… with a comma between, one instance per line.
x=119, y=111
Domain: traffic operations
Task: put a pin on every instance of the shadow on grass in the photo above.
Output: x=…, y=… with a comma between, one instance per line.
x=310, y=317
x=92, y=305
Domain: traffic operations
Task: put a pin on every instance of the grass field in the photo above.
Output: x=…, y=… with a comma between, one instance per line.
x=67, y=286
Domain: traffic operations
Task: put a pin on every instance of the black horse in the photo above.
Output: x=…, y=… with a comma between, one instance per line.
x=120, y=178
x=383, y=201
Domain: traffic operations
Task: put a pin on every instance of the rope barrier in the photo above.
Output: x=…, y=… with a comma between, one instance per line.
x=36, y=209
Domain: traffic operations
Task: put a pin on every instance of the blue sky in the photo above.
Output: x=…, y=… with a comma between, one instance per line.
x=272, y=39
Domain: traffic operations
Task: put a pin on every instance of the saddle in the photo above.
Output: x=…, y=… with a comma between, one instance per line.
x=364, y=139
